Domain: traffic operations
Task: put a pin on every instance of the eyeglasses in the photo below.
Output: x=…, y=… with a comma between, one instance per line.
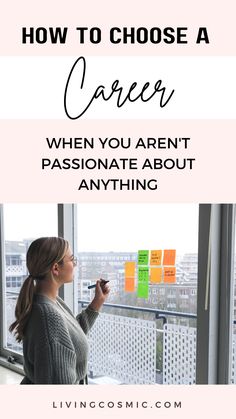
x=74, y=260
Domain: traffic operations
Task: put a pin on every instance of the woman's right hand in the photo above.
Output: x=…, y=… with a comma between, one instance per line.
x=101, y=293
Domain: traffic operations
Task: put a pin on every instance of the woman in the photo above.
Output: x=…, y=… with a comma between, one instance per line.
x=55, y=346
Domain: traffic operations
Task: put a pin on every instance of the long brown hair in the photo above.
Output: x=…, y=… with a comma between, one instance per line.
x=41, y=256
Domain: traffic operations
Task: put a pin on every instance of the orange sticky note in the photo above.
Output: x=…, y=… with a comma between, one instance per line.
x=129, y=284
x=169, y=275
x=156, y=256
x=130, y=276
x=169, y=257
x=129, y=269
x=155, y=275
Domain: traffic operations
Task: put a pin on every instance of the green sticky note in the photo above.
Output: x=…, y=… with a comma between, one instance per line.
x=143, y=282
x=143, y=257
x=143, y=290
x=143, y=274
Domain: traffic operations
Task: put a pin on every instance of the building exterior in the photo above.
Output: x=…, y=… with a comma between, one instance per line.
x=15, y=267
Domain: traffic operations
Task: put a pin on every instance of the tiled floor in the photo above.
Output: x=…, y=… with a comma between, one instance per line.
x=9, y=377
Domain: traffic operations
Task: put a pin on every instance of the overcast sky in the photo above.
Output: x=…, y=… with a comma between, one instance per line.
x=112, y=227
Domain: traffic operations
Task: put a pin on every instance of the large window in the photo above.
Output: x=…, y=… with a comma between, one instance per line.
x=22, y=223
x=181, y=331
x=110, y=235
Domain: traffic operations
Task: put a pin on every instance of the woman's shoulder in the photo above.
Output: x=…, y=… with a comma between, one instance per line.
x=43, y=299
x=46, y=309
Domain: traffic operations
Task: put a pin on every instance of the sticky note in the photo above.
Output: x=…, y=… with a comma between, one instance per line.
x=143, y=257
x=156, y=256
x=142, y=290
x=143, y=279
x=129, y=284
x=129, y=269
x=170, y=275
x=169, y=257
x=129, y=276
x=155, y=275
x=143, y=274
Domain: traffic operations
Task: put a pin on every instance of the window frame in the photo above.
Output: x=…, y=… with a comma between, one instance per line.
x=215, y=293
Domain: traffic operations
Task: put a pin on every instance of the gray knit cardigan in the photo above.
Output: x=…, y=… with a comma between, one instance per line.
x=55, y=345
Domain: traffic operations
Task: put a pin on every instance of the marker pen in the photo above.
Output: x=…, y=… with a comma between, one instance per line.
x=94, y=285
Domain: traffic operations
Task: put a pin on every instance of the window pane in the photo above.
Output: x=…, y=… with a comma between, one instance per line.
x=110, y=235
x=22, y=224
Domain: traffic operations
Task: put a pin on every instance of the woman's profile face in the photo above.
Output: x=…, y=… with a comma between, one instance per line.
x=66, y=269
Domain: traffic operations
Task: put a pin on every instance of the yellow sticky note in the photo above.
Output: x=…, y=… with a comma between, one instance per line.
x=169, y=257
x=169, y=275
x=155, y=275
x=156, y=256
x=129, y=269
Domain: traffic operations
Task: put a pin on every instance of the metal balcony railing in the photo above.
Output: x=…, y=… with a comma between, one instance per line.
x=159, y=314
x=145, y=349
x=135, y=351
